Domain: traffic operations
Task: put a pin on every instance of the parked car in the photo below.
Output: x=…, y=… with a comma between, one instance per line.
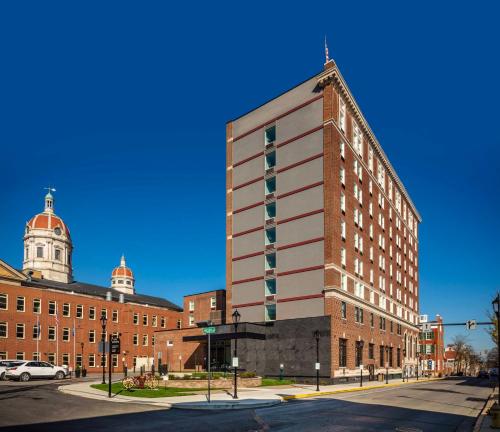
x=4, y=364
x=26, y=370
x=493, y=372
x=483, y=374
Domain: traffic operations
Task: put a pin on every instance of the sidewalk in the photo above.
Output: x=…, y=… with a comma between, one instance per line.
x=248, y=397
x=483, y=422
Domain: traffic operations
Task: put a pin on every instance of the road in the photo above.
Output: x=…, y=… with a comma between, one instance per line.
x=449, y=405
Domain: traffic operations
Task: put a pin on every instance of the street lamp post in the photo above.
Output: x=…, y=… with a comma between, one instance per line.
x=496, y=308
x=316, y=336
x=387, y=364
x=103, y=341
x=236, y=319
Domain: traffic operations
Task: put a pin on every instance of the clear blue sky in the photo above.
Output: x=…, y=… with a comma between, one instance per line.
x=122, y=107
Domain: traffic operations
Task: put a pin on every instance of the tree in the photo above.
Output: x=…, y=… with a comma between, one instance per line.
x=461, y=351
x=492, y=330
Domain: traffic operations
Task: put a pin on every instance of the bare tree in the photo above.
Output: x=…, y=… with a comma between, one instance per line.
x=461, y=352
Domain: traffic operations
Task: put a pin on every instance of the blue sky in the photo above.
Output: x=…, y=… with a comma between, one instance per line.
x=122, y=107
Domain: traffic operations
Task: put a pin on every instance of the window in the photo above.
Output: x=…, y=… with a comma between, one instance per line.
x=371, y=354
x=342, y=352
x=342, y=176
x=270, y=236
x=270, y=160
x=114, y=315
x=270, y=312
x=135, y=339
x=57, y=254
x=390, y=357
x=382, y=323
x=144, y=319
x=270, y=185
x=65, y=335
x=51, y=358
x=20, y=331
x=343, y=281
x=343, y=229
x=191, y=305
x=4, y=329
x=372, y=320
x=20, y=304
x=342, y=115
x=179, y=324
x=92, y=312
x=91, y=360
x=270, y=135
x=358, y=315
x=3, y=301
x=39, y=251
x=191, y=320
x=65, y=359
x=270, y=261
x=92, y=336
x=114, y=360
x=163, y=322
x=343, y=310
x=398, y=357
x=342, y=202
x=154, y=321
x=19, y=356
x=359, y=353
x=36, y=356
x=343, y=257
x=270, y=210
x=52, y=307
x=270, y=285
x=79, y=311
x=381, y=351
x=79, y=360
x=37, y=306
x=36, y=331
x=51, y=333
x=66, y=310
x=145, y=340
x=136, y=318
x=104, y=312
x=342, y=149
x=213, y=302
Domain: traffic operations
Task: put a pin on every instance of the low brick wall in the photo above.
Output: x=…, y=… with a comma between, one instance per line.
x=219, y=383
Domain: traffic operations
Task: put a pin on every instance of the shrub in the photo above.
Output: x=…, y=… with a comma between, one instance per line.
x=248, y=375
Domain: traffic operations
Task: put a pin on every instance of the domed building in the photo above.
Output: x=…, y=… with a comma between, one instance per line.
x=47, y=245
x=122, y=278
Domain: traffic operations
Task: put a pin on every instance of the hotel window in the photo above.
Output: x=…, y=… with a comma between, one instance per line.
x=358, y=315
x=19, y=356
x=20, y=304
x=371, y=354
x=270, y=135
x=342, y=202
x=342, y=115
x=342, y=149
x=39, y=251
x=3, y=301
x=92, y=336
x=213, y=302
x=65, y=335
x=36, y=332
x=270, y=185
x=3, y=330
x=358, y=357
x=343, y=310
x=114, y=316
x=270, y=160
x=343, y=257
x=66, y=310
x=372, y=320
x=37, y=306
x=270, y=312
x=342, y=176
x=270, y=286
x=135, y=339
x=92, y=312
x=270, y=210
x=52, y=307
x=382, y=323
x=144, y=320
x=270, y=261
x=381, y=354
x=20, y=331
x=163, y=322
x=154, y=321
x=65, y=359
x=342, y=229
x=91, y=360
x=145, y=340
x=343, y=281
x=136, y=318
x=191, y=320
x=270, y=237
x=342, y=352
x=370, y=159
x=359, y=290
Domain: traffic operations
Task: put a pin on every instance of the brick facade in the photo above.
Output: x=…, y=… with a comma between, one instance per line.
x=210, y=305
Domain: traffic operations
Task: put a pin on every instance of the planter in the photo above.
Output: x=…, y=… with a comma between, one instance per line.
x=78, y=372
x=84, y=373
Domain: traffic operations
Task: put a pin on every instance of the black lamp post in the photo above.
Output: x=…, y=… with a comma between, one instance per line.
x=316, y=336
x=496, y=308
x=83, y=367
x=360, y=361
x=404, y=368
x=387, y=365
x=103, y=340
x=236, y=319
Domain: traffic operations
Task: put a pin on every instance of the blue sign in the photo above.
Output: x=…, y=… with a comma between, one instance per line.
x=429, y=364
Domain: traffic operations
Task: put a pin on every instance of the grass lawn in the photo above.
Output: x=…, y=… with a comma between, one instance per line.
x=117, y=388
x=275, y=382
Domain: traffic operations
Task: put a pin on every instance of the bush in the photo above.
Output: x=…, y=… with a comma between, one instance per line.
x=248, y=375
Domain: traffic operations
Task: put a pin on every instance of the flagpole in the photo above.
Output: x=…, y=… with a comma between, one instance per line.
x=74, y=345
x=57, y=337
x=37, y=337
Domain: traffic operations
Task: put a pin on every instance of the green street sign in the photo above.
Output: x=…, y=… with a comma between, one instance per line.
x=209, y=330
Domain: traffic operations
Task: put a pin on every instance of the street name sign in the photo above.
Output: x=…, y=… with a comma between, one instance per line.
x=209, y=330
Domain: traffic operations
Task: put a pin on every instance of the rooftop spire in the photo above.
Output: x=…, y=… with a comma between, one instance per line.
x=327, y=58
x=49, y=200
x=122, y=261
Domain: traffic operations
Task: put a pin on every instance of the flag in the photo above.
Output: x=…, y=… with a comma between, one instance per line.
x=57, y=318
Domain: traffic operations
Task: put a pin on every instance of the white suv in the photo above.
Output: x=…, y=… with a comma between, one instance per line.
x=4, y=364
x=35, y=369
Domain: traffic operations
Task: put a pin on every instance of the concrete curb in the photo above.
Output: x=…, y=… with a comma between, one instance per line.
x=355, y=389
x=226, y=405
x=484, y=412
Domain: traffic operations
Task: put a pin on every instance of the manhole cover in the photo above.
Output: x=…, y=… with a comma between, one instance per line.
x=407, y=429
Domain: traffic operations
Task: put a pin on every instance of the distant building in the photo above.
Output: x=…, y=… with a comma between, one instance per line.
x=431, y=352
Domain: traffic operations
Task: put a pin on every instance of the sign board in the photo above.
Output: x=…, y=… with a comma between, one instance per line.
x=209, y=330
x=235, y=362
x=360, y=367
x=429, y=364
x=423, y=318
x=316, y=366
x=471, y=325
x=426, y=327
x=115, y=346
x=106, y=347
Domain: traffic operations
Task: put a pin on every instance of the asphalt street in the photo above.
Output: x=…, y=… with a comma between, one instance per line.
x=449, y=405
